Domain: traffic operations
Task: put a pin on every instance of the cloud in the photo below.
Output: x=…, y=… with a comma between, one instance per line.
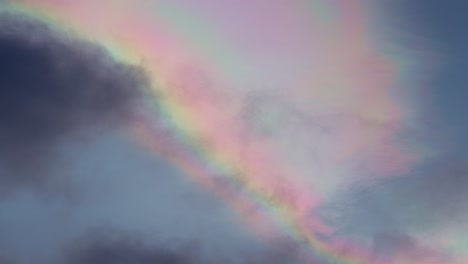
x=438, y=194
x=412, y=218
x=435, y=196
x=123, y=250
x=401, y=248
x=118, y=247
x=53, y=87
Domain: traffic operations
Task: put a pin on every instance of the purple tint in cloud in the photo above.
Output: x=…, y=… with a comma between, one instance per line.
x=297, y=119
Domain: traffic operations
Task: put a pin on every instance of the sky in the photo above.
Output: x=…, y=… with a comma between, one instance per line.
x=238, y=132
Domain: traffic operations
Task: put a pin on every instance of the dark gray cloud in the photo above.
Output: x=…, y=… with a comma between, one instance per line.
x=53, y=87
x=119, y=248
x=124, y=250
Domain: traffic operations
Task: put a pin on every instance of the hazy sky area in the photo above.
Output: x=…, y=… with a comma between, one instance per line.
x=234, y=132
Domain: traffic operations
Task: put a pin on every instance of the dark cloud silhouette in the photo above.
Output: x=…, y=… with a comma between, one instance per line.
x=53, y=87
x=124, y=251
x=119, y=248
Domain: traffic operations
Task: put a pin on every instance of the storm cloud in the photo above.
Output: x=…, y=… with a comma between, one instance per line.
x=54, y=87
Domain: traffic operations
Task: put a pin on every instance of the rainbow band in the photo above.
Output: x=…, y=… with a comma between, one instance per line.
x=206, y=144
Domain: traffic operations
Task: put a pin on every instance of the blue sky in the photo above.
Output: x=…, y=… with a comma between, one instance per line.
x=443, y=25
